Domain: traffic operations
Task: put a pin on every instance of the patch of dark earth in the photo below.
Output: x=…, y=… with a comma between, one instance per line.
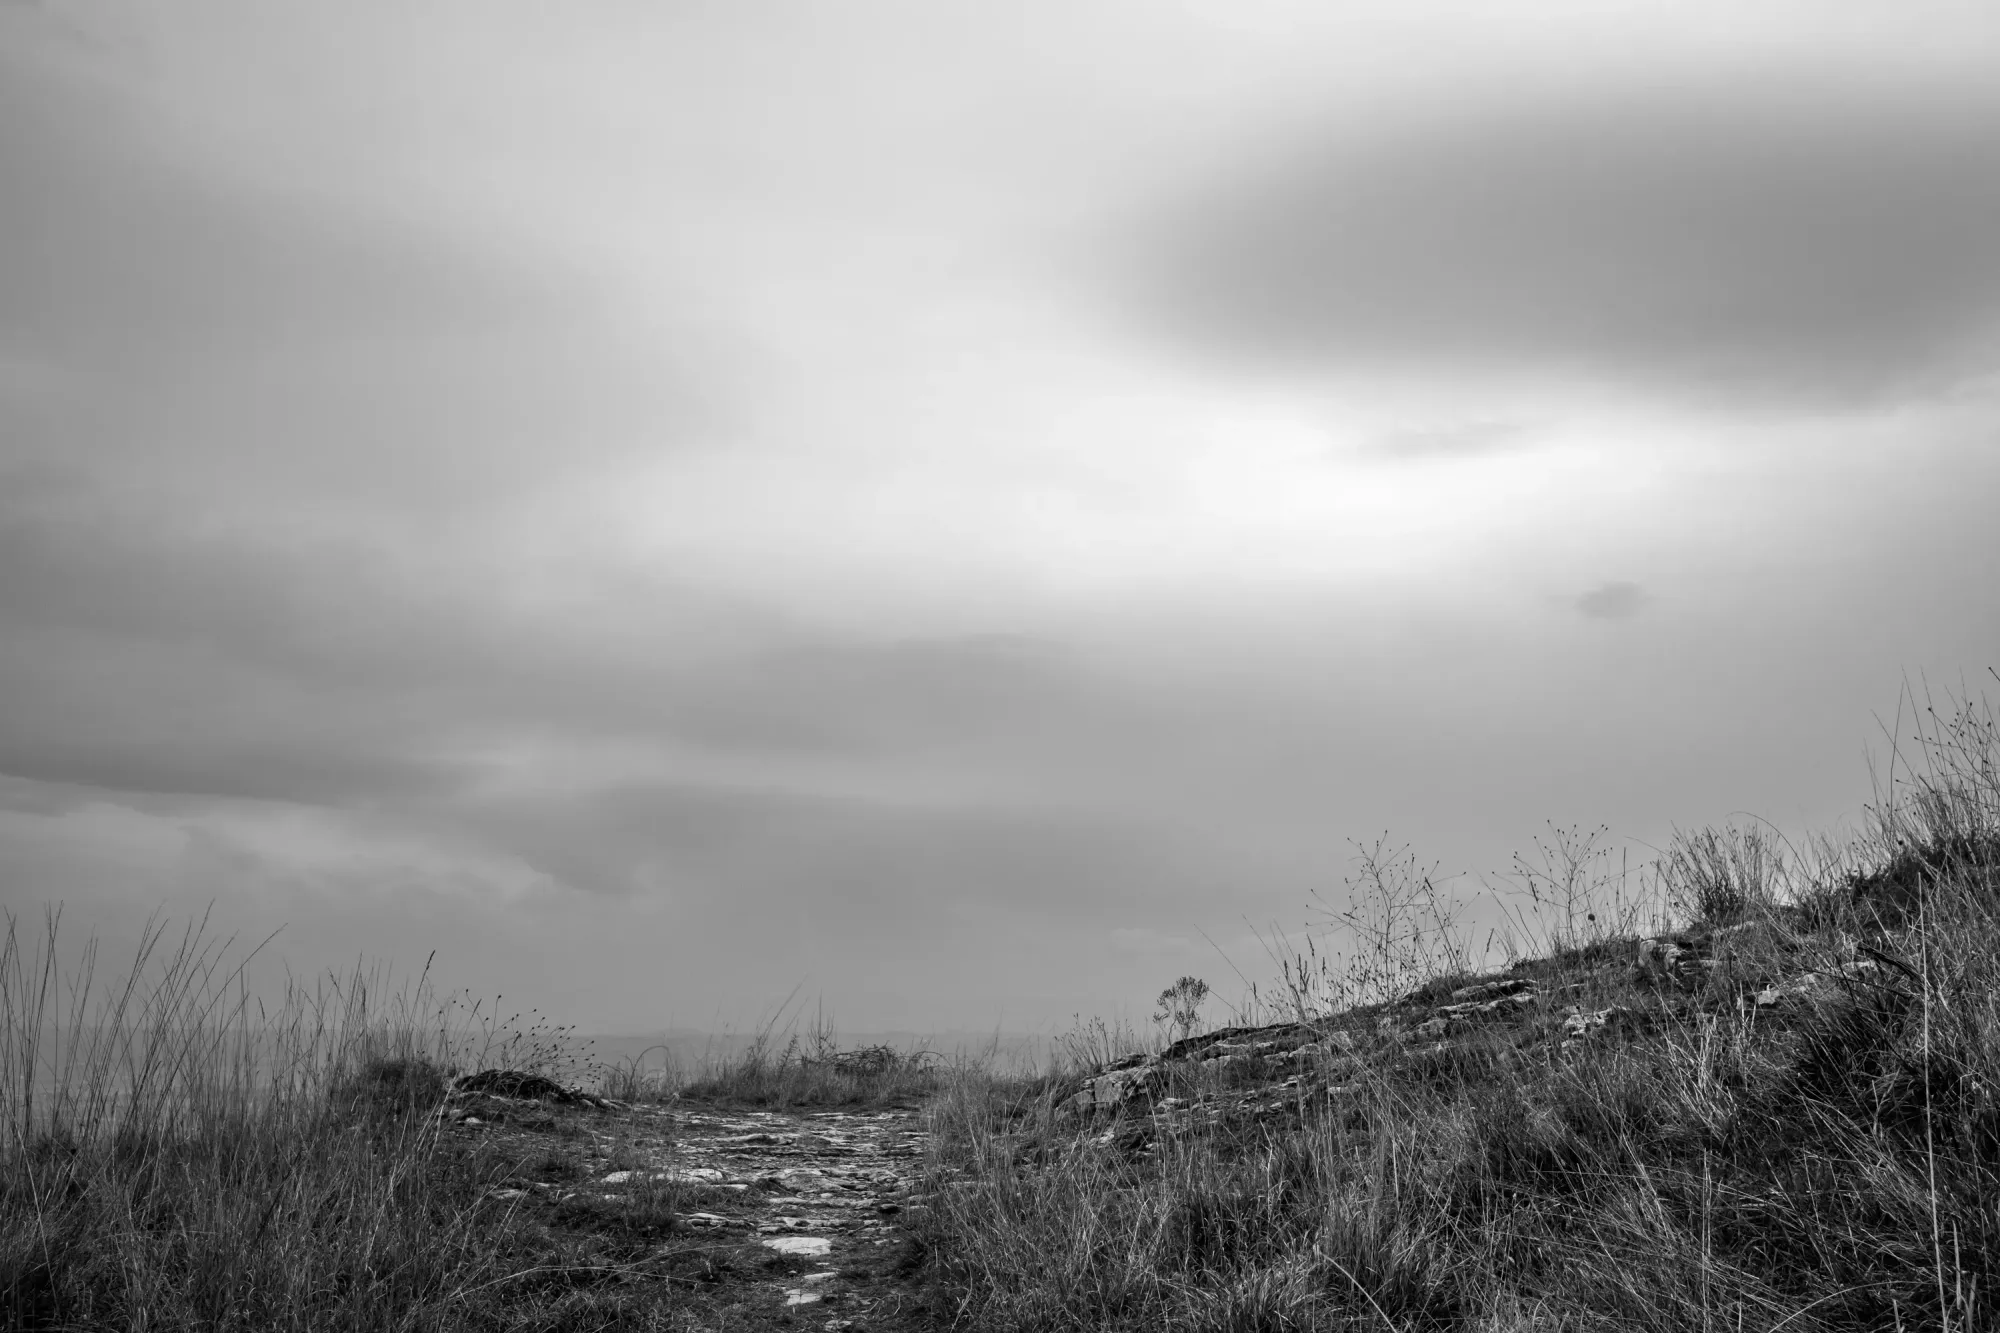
x=737, y=1219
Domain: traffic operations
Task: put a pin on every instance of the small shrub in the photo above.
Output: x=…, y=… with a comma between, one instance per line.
x=1180, y=1007
x=1717, y=876
x=389, y=1088
x=1890, y=896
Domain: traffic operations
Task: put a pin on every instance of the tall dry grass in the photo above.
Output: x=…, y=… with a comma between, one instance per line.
x=176, y=1155
x=1833, y=1166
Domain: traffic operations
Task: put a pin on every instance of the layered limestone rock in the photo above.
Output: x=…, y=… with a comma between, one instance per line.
x=1289, y=1059
x=1751, y=967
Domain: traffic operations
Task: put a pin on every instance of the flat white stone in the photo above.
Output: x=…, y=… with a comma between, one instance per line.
x=794, y=1296
x=694, y=1175
x=810, y=1247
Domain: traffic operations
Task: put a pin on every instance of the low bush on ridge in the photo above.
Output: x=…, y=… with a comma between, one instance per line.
x=813, y=1072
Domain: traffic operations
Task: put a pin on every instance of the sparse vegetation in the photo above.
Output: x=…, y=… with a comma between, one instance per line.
x=1180, y=1007
x=174, y=1156
x=784, y=1067
x=1725, y=1163
x=1801, y=1133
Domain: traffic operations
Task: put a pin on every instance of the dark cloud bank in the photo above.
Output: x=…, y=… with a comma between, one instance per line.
x=1748, y=243
x=1613, y=601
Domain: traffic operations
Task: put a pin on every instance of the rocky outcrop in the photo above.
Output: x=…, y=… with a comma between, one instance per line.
x=1473, y=1005
x=1750, y=966
x=518, y=1086
x=1289, y=1060
x=1810, y=988
x=1580, y=1025
x=1670, y=962
x=1685, y=960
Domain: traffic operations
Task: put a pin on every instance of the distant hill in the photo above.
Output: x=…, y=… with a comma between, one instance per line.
x=690, y=1048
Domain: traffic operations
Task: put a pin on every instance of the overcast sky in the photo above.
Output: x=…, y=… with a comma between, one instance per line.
x=955, y=506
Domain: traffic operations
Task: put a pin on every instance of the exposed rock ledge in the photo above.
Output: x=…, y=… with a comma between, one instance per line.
x=1538, y=1004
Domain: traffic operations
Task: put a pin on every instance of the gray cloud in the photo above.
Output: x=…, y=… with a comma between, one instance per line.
x=701, y=841
x=764, y=778
x=1613, y=601
x=1470, y=439
x=151, y=652
x=331, y=568
x=1749, y=243
x=156, y=312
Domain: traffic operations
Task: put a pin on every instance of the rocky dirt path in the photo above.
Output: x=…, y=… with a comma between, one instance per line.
x=750, y=1218
x=821, y=1186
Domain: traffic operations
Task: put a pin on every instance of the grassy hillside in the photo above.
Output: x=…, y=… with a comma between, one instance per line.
x=1781, y=1112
